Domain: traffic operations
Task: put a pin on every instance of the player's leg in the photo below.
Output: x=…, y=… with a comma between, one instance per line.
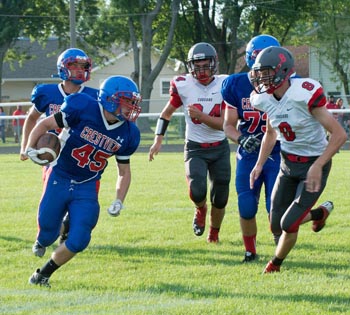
x=50, y=213
x=283, y=194
x=248, y=200
x=196, y=175
x=270, y=171
x=320, y=214
x=219, y=177
x=84, y=212
x=296, y=212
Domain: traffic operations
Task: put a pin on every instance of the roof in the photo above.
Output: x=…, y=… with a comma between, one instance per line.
x=41, y=63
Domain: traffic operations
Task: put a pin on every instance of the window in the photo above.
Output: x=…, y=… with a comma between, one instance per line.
x=164, y=87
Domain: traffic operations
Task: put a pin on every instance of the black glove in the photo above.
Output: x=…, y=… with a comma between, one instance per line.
x=249, y=143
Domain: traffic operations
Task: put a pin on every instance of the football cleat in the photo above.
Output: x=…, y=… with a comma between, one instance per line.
x=249, y=257
x=199, y=220
x=38, y=250
x=38, y=278
x=270, y=267
x=327, y=208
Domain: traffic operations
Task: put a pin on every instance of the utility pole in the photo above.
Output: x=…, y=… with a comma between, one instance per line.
x=73, y=40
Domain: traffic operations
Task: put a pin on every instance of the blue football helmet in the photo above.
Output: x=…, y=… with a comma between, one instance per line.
x=67, y=61
x=257, y=44
x=120, y=96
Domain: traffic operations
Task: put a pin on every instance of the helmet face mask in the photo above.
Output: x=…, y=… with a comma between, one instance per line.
x=74, y=65
x=119, y=96
x=273, y=66
x=202, y=71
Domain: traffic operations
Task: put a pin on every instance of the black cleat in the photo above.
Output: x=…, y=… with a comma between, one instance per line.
x=249, y=257
x=38, y=278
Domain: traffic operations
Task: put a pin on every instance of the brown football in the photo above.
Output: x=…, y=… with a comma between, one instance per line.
x=50, y=141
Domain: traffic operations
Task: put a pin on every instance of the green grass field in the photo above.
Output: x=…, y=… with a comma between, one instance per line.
x=148, y=261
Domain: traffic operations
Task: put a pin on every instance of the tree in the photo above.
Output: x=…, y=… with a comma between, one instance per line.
x=230, y=24
x=135, y=22
x=36, y=19
x=10, y=26
x=331, y=38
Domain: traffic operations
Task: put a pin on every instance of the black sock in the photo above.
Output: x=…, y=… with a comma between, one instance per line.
x=49, y=268
x=277, y=261
x=316, y=214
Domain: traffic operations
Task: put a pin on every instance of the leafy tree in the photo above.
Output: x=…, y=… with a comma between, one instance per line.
x=135, y=22
x=37, y=19
x=331, y=38
x=10, y=26
x=230, y=24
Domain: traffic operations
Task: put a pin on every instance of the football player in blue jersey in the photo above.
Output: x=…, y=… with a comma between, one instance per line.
x=92, y=131
x=73, y=68
x=246, y=126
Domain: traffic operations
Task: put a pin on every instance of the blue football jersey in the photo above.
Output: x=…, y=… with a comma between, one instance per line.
x=48, y=98
x=236, y=90
x=88, y=140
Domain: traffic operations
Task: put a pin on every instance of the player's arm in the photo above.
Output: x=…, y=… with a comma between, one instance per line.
x=123, y=180
x=122, y=187
x=337, y=137
x=42, y=127
x=211, y=121
x=337, y=134
x=28, y=126
x=162, y=125
x=230, y=123
x=267, y=144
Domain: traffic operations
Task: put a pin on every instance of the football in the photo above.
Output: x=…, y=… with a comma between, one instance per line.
x=49, y=141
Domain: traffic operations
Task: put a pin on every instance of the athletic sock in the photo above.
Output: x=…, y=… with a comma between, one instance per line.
x=317, y=214
x=277, y=261
x=250, y=243
x=49, y=268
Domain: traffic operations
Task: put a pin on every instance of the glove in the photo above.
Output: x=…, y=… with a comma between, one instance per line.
x=115, y=208
x=33, y=155
x=249, y=143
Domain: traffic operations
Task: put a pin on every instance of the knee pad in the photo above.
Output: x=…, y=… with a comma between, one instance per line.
x=198, y=189
x=247, y=205
x=291, y=220
x=78, y=244
x=219, y=195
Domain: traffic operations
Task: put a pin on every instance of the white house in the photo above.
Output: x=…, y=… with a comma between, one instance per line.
x=19, y=80
x=319, y=71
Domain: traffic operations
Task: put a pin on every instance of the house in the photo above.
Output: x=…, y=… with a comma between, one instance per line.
x=123, y=65
x=319, y=70
x=19, y=80
x=17, y=84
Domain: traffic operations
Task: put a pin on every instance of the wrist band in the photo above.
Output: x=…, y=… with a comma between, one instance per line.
x=162, y=125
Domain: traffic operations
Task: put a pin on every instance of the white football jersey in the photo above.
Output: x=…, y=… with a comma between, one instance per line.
x=299, y=132
x=186, y=90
